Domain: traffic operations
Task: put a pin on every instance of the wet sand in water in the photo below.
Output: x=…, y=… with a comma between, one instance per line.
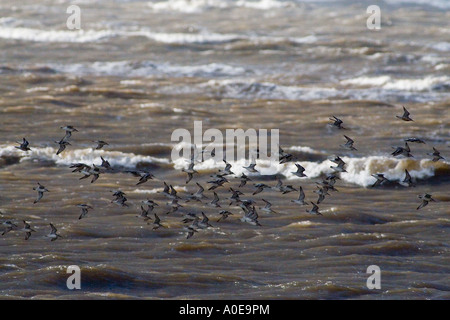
x=142, y=69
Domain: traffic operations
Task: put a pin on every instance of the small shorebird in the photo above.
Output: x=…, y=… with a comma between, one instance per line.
x=169, y=192
x=402, y=151
x=105, y=164
x=166, y=190
x=349, y=144
x=100, y=144
x=121, y=201
x=144, y=214
x=314, y=210
x=190, y=231
x=118, y=194
x=157, y=223
x=380, y=179
x=27, y=229
x=251, y=217
x=224, y=214
x=436, y=155
x=24, y=145
x=84, y=210
x=251, y=167
x=247, y=204
x=328, y=184
x=218, y=182
x=405, y=116
x=416, y=140
x=174, y=205
x=235, y=196
x=408, y=179
x=244, y=180
x=198, y=196
x=9, y=226
x=227, y=170
x=40, y=190
x=78, y=167
x=190, y=172
x=279, y=186
x=267, y=207
x=340, y=164
x=62, y=146
x=204, y=223
x=260, y=187
x=287, y=188
x=91, y=171
x=143, y=176
x=287, y=157
x=322, y=193
x=190, y=217
x=299, y=173
x=173, y=193
x=69, y=130
x=425, y=199
x=215, y=202
x=150, y=204
x=53, y=235
x=301, y=197
x=337, y=122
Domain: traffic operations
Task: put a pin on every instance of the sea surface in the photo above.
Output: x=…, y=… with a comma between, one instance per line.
x=138, y=70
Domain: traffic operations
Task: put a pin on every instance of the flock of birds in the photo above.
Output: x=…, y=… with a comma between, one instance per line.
x=193, y=222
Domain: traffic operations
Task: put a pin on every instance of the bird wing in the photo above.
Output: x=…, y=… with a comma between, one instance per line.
x=348, y=139
x=53, y=229
x=405, y=112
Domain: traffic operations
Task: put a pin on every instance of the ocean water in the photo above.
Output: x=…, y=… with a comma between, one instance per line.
x=138, y=70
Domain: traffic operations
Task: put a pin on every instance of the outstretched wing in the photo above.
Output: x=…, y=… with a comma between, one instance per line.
x=405, y=112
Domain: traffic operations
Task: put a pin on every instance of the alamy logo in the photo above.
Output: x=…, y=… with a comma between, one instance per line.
x=232, y=146
x=374, y=281
x=74, y=281
x=74, y=20
x=374, y=20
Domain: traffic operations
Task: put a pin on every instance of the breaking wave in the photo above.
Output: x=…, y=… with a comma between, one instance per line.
x=425, y=90
x=359, y=170
x=87, y=155
x=15, y=31
x=147, y=68
x=197, y=6
x=386, y=82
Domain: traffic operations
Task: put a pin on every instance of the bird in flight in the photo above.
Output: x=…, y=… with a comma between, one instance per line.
x=405, y=116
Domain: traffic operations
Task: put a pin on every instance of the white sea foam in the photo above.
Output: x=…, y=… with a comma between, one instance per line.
x=304, y=149
x=264, y=4
x=85, y=36
x=359, y=170
x=367, y=81
x=443, y=4
x=386, y=82
x=13, y=32
x=148, y=68
x=197, y=6
x=88, y=156
x=157, y=190
x=441, y=46
x=38, y=35
x=251, y=89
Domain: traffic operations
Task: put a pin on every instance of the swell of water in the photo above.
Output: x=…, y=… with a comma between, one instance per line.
x=140, y=69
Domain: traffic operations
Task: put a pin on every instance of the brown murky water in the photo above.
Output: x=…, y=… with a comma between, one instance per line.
x=141, y=69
